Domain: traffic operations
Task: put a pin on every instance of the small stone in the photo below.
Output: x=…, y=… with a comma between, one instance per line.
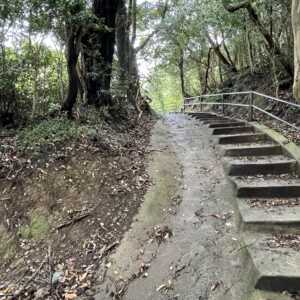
x=41, y=293
x=57, y=276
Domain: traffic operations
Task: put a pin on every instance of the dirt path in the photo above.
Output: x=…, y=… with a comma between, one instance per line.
x=200, y=257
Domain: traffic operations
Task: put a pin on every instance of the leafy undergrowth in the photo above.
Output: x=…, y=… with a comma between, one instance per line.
x=69, y=191
x=48, y=132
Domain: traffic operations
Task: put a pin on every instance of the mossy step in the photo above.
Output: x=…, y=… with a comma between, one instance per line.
x=269, y=218
x=228, y=123
x=211, y=120
x=264, y=295
x=217, y=120
x=267, y=188
x=251, y=150
x=273, y=165
x=201, y=114
x=276, y=269
x=232, y=130
x=242, y=138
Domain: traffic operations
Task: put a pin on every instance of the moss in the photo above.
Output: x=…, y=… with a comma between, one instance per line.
x=37, y=229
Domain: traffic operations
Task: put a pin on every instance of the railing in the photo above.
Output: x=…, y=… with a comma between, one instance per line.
x=198, y=101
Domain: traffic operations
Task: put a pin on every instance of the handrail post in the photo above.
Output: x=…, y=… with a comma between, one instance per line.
x=223, y=105
x=201, y=105
x=251, y=102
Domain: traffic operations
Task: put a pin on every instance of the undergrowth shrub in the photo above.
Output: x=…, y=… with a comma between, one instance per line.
x=48, y=131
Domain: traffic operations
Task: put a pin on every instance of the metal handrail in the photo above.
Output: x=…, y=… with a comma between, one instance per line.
x=189, y=102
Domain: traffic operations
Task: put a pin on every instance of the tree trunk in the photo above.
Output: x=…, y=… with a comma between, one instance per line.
x=296, y=30
x=133, y=93
x=273, y=47
x=221, y=56
x=207, y=71
x=72, y=54
x=250, y=50
x=122, y=33
x=98, y=53
x=181, y=72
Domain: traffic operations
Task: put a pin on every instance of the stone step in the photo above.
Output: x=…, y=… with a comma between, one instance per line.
x=242, y=138
x=232, y=130
x=201, y=114
x=269, y=215
x=213, y=121
x=228, y=123
x=267, y=188
x=275, y=268
x=274, y=165
x=252, y=150
x=266, y=295
x=210, y=119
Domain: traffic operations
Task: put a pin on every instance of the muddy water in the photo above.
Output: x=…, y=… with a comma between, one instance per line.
x=202, y=259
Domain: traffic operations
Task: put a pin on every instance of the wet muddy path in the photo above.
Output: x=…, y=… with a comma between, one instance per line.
x=184, y=242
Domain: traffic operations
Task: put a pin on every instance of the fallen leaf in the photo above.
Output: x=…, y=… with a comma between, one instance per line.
x=70, y=296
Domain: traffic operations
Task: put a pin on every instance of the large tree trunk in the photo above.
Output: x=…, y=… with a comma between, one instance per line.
x=72, y=54
x=296, y=29
x=134, y=93
x=129, y=75
x=123, y=44
x=98, y=53
x=181, y=73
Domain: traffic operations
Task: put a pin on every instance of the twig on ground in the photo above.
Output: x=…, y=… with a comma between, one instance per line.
x=50, y=267
x=19, y=292
x=73, y=221
x=104, y=251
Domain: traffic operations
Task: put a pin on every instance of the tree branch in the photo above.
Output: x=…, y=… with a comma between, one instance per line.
x=155, y=31
x=237, y=6
x=272, y=46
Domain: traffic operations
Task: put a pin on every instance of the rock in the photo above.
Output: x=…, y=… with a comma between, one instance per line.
x=41, y=293
x=57, y=276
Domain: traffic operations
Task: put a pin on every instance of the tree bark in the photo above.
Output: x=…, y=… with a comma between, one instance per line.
x=72, y=54
x=99, y=51
x=250, y=50
x=181, y=72
x=133, y=93
x=296, y=30
x=207, y=71
x=221, y=56
x=123, y=44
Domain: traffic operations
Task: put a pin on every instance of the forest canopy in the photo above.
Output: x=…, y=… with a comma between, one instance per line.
x=64, y=55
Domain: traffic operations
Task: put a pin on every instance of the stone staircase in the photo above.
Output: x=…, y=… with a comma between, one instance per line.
x=263, y=168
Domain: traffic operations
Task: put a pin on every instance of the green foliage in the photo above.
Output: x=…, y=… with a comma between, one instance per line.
x=48, y=132
x=164, y=90
x=32, y=80
x=37, y=229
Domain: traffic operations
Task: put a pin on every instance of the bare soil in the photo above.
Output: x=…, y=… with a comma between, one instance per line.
x=62, y=213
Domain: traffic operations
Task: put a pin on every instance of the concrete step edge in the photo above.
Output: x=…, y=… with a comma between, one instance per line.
x=263, y=150
x=275, y=269
x=248, y=168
